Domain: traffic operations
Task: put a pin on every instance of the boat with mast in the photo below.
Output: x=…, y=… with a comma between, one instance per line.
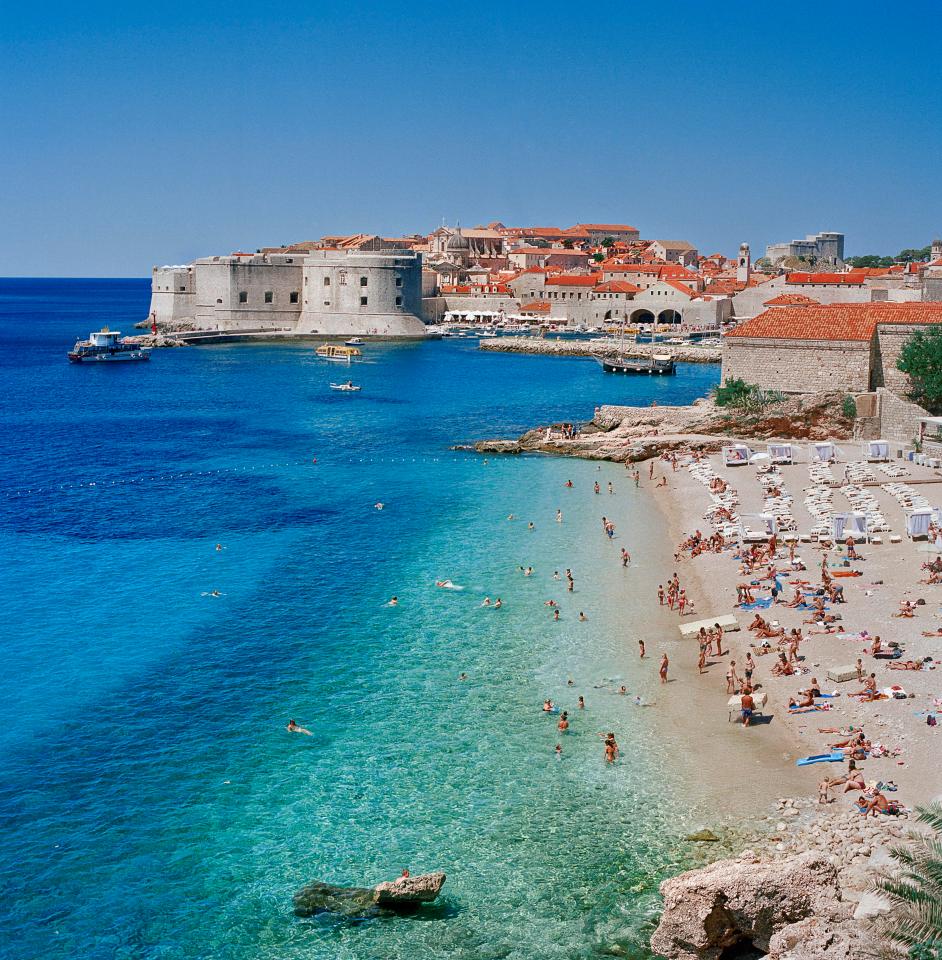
x=621, y=362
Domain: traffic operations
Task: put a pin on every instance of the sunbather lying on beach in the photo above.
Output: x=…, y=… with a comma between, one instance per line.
x=906, y=609
x=910, y=665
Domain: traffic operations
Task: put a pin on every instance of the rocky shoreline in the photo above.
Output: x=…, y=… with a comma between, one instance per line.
x=629, y=434
x=604, y=347
x=800, y=890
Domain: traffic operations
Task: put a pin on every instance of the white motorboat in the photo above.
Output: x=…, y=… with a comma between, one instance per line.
x=348, y=386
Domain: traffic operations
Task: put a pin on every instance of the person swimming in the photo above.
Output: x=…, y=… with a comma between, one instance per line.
x=379, y=505
x=548, y=705
x=393, y=602
x=292, y=727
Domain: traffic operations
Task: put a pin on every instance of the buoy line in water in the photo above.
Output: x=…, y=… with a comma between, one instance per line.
x=191, y=474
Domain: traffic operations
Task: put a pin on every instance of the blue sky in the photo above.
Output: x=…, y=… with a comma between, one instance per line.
x=134, y=135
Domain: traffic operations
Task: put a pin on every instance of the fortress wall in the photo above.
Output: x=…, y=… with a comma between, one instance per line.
x=221, y=283
x=798, y=366
x=172, y=294
x=378, y=294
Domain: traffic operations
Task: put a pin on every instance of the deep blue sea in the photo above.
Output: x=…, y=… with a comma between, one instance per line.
x=152, y=804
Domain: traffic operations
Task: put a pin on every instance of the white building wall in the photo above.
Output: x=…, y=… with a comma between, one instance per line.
x=362, y=293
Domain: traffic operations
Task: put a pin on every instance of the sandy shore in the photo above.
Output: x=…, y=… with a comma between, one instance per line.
x=891, y=573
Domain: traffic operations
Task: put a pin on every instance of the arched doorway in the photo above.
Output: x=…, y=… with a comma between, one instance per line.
x=669, y=316
x=642, y=316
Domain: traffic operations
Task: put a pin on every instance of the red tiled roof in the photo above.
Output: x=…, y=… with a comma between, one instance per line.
x=575, y=280
x=537, y=306
x=617, y=286
x=789, y=300
x=596, y=227
x=834, y=321
x=853, y=277
x=683, y=288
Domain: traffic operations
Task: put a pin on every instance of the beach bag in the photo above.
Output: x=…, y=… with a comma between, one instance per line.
x=931, y=720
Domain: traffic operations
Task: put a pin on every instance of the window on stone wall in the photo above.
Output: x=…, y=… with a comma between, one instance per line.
x=269, y=296
x=293, y=296
x=363, y=301
x=243, y=296
x=326, y=281
x=219, y=300
x=398, y=281
x=182, y=289
x=398, y=301
x=362, y=281
x=343, y=278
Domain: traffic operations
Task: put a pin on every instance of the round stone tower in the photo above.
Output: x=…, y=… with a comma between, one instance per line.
x=362, y=294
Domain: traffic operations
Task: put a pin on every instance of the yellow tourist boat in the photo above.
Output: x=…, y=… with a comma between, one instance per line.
x=337, y=352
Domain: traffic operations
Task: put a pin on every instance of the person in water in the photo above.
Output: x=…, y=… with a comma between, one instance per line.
x=582, y=617
x=563, y=724
x=394, y=602
x=582, y=703
x=641, y=648
x=292, y=727
x=498, y=603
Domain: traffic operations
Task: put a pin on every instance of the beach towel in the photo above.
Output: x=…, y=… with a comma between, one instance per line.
x=818, y=707
x=846, y=573
x=834, y=757
x=895, y=655
x=763, y=604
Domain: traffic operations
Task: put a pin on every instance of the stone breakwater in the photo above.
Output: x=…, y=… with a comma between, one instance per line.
x=588, y=348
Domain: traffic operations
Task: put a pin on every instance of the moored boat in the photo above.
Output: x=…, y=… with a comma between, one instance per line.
x=349, y=385
x=106, y=346
x=354, y=342
x=658, y=363
x=336, y=352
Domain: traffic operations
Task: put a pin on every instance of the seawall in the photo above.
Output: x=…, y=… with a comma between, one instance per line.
x=587, y=348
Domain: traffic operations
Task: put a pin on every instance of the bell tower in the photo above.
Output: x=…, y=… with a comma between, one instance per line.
x=744, y=267
x=936, y=250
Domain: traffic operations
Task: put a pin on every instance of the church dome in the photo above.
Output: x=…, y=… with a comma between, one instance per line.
x=457, y=242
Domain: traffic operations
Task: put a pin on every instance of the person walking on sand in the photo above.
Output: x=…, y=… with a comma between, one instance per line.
x=660, y=594
x=641, y=648
x=732, y=678
x=665, y=663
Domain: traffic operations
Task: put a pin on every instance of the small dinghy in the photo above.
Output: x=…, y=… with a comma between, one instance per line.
x=348, y=386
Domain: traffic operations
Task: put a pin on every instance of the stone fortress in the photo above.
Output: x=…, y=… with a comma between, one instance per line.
x=328, y=292
x=590, y=275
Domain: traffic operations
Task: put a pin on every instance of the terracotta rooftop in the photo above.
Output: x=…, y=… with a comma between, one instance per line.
x=846, y=322
x=852, y=277
x=595, y=227
x=617, y=286
x=789, y=300
x=575, y=280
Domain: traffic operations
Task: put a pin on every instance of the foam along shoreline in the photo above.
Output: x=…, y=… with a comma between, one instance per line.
x=686, y=353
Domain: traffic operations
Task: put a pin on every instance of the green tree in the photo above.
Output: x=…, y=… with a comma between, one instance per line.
x=567, y=244
x=598, y=257
x=870, y=260
x=915, y=896
x=921, y=359
x=909, y=255
x=608, y=242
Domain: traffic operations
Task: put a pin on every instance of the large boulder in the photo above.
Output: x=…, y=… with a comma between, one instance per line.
x=421, y=889
x=743, y=903
x=815, y=939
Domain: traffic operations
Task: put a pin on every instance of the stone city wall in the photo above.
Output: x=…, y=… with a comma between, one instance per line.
x=899, y=418
x=798, y=366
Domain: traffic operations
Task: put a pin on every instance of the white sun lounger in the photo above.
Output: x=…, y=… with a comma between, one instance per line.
x=727, y=621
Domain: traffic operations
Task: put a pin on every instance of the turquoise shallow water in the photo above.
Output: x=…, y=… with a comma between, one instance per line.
x=152, y=804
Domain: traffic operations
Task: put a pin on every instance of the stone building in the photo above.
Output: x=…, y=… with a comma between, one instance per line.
x=326, y=292
x=813, y=348
x=824, y=247
x=675, y=251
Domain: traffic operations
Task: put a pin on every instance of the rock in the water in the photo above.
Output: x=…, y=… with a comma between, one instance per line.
x=736, y=903
x=403, y=894
x=320, y=897
x=702, y=836
x=421, y=889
